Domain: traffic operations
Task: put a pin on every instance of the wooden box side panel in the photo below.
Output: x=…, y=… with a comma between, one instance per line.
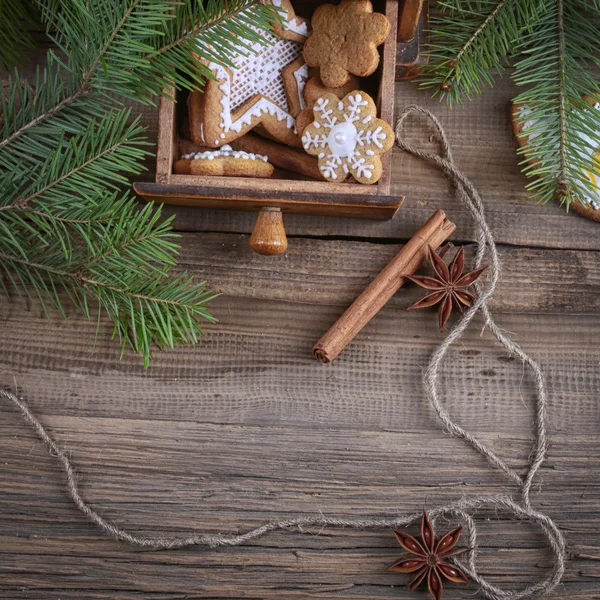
x=166, y=150
x=279, y=186
x=235, y=198
x=387, y=90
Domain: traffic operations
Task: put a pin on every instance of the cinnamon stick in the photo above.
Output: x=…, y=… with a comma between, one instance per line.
x=279, y=155
x=435, y=231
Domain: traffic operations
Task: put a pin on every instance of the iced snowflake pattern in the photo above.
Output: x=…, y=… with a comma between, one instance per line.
x=347, y=137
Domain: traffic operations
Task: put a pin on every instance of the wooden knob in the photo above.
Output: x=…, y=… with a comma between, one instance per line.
x=269, y=236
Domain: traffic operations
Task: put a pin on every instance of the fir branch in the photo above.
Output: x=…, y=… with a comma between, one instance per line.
x=40, y=87
x=48, y=114
x=160, y=58
x=64, y=153
x=101, y=155
x=15, y=17
x=557, y=60
x=159, y=309
x=37, y=118
x=562, y=88
x=471, y=41
x=561, y=130
x=126, y=273
x=481, y=29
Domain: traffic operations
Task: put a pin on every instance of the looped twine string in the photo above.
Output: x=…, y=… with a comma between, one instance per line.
x=461, y=509
x=469, y=196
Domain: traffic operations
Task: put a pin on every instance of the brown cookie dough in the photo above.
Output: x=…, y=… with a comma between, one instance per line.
x=313, y=90
x=344, y=41
x=262, y=86
x=590, y=211
x=224, y=162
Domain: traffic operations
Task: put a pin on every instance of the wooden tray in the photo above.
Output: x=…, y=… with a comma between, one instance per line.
x=285, y=191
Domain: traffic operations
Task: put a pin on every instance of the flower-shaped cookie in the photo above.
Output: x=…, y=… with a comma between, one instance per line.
x=347, y=137
x=345, y=40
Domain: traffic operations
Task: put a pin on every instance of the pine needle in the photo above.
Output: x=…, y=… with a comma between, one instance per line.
x=553, y=44
x=68, y=148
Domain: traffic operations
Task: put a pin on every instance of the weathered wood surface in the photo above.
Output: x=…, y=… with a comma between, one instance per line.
x=484, y=147
x=247, y=426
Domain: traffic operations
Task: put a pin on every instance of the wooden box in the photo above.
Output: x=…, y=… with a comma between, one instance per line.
x=285, y=190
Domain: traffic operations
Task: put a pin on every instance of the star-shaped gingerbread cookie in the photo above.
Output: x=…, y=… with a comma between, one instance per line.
x=264, y=87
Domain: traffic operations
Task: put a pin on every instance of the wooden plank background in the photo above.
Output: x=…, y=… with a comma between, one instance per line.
x=247, y=427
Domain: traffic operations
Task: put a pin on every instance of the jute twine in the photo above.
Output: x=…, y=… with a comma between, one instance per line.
x=520, y=508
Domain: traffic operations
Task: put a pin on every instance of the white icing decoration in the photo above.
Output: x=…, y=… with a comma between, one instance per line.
x=354, y=109
x=362, y=168
x=371, y=137
x=342, y=139
x=262, y=106
x=225, y=151
x=294, y=25
x=349, y=145
x=301, y=75
x=257, y=70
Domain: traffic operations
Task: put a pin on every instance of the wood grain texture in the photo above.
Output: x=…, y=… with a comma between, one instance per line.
x=335, y=272
x=247, y=426
x=484, y=148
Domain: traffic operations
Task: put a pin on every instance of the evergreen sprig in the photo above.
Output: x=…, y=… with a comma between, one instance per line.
x=68, y=147
x=553, y=45
x=15, y=16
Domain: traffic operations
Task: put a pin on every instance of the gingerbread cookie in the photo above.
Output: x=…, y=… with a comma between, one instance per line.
x=345, y=40
x=293, y=28
x=590, y=207
x=264, y=87
x=348, y=138
x=226, y=162
x=313, y=90
x=590, y=211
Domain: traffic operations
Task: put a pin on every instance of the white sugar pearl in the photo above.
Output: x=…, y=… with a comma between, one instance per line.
x=340, y=137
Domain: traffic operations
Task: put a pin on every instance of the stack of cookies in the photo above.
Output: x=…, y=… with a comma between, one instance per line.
x=301, y=90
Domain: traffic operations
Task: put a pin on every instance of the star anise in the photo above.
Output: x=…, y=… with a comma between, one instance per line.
x=430, y=558
x=447, y=286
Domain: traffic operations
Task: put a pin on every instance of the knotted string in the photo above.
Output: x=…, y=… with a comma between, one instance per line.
x=461, y=509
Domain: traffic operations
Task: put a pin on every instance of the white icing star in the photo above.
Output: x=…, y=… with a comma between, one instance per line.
x=254, y=90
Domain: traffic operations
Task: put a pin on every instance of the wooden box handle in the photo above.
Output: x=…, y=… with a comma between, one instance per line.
x=269, y=237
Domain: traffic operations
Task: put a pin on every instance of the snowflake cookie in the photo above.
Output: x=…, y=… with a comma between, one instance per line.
x=347, y=137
